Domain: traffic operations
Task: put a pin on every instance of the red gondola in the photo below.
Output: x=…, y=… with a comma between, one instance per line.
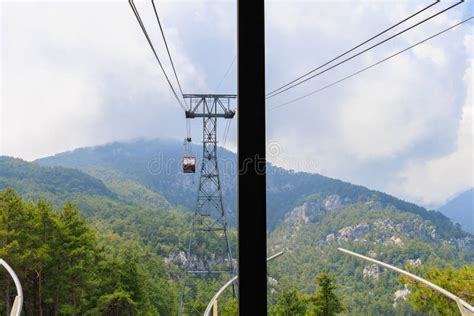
x=189, y=164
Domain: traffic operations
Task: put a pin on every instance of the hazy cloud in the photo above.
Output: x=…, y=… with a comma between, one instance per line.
x=81, y=73
x=430, y=181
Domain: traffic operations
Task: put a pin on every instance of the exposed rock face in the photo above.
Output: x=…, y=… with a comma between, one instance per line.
x=385, y=230
x=272, y=284
x=372, y=254
x=414, y=263
x=176, y=258
x=394, y=240
x=401, y=295
x=415, y=228
x=372, y=272
x=200, y=264
x=331, y=202
x=374, y=204
x=352, y=232
x=313, y=210
x=459, y=243
x=299, y=215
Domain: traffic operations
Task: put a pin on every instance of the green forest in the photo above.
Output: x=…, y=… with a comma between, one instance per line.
x=70, y=267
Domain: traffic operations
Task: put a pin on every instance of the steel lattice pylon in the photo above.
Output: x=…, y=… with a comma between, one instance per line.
x=209, y=218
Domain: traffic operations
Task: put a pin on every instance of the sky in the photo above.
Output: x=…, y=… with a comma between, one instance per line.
x=80, y=73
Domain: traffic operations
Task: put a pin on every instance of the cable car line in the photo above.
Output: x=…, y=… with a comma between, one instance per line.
x=227, y=72
x=227, y=126
x=167, y=49
x=140, y=22
x=365, y=50
x=355, y=47
x=373, y=65
x=226, y=131
x=188, y=130
x=188, y=160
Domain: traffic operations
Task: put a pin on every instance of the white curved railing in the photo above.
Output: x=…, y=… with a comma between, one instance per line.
x=465, y=308
x=18, y=303
x=213, y=301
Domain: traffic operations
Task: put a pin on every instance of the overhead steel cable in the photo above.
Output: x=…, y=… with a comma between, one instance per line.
x=227, y=126
x=373, y=65
x=167, y=48
x=355, y=47
x=188, y=130
x=226, y=131
x=140, y=22
x=227, y=72
x=365, y=50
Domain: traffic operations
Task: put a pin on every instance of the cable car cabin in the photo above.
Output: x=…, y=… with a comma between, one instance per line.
x=189, y=164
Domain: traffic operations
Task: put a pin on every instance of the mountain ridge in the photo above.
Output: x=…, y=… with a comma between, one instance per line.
x=460, y=209
x=156, y=164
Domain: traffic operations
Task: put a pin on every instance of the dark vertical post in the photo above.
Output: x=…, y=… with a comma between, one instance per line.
x=251, y=158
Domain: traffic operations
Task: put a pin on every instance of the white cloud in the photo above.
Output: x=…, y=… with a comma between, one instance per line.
x=78, y=74
x=385, y=114
x=368, y=128
x=433, y=181
x=434, y=54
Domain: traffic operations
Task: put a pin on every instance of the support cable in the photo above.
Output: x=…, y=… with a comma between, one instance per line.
x=226, y=131
x=355, y=47
x=140, y=22
x=363, y=51
x=373, y=65
x=188, y=129
x=167, y=48
x=226, y=73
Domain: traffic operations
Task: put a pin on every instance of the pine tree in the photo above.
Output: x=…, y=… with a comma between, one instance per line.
x=43, y=248
x=78, y=251
x=325, y=302
x=289, y=304
x=118, y=303
x=68, y=268
x=458, y=281
x=15, y=223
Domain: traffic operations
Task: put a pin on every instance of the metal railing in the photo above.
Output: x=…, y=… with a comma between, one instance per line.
x=18, y=303
x=212, y=306
x=465, y=308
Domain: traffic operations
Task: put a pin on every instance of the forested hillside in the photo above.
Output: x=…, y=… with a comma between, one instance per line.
x=127, y=227
x=32, y=179
x=126, y=206
x=313, y=230
x=69, y=267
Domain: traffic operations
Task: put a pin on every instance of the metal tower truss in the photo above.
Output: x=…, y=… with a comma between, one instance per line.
x=209, y=252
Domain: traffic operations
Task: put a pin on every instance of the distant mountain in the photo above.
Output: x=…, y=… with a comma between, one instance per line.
x=31, y=178
x=156, y=165
x=59, y=184
x=461, y=210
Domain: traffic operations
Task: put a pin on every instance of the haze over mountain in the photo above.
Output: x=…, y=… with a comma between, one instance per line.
x=156, y=164
x=461, y=210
